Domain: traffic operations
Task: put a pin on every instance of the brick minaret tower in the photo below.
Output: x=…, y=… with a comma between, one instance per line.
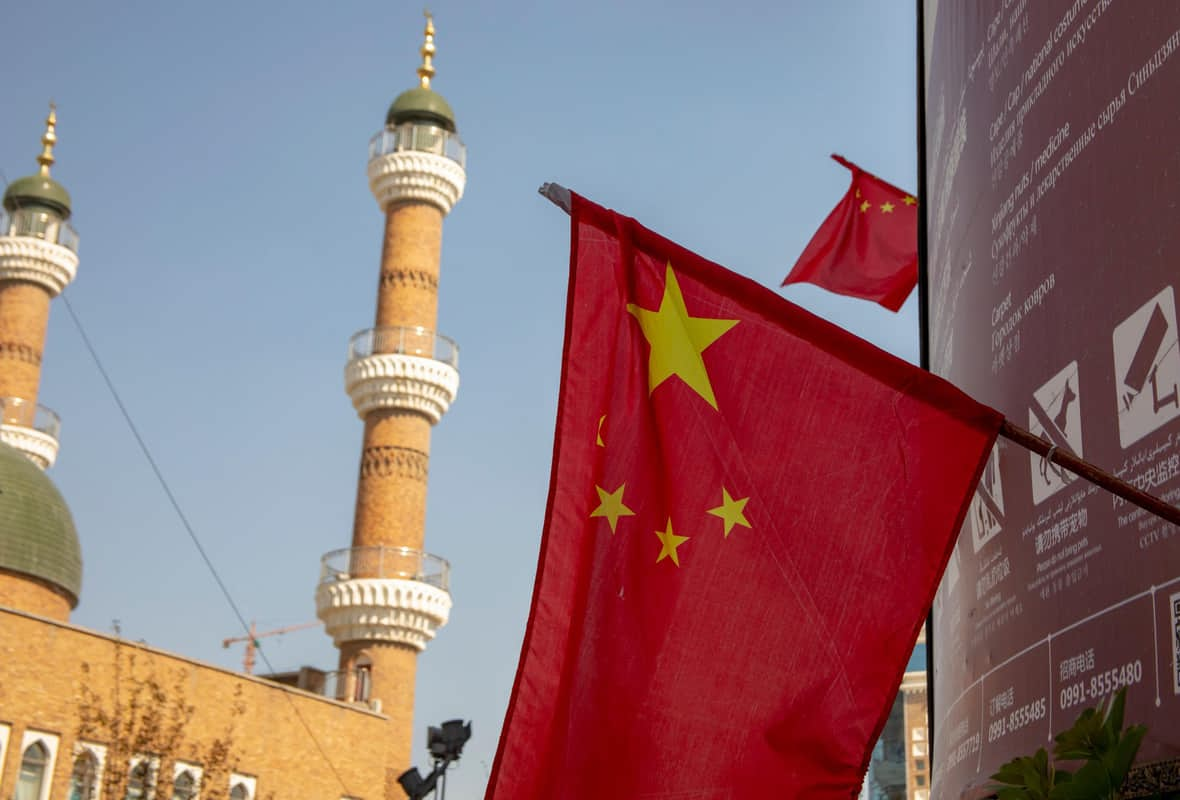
x=40, y=560
x=382, y=599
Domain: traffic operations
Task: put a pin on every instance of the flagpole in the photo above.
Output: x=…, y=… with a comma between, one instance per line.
x=924, y=316
x=1084, y=469
x=558, y=195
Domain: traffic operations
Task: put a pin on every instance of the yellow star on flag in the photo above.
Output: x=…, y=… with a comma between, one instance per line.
x=730, y=511
x=910, y=201
x=677, y=340
x=610, y=505
x=598, y=437
x=865, y=206
x=887, y=207
x=669, y=542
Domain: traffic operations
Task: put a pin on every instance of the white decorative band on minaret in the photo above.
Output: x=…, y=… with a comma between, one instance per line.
x=394, y=380
x=382, y=610
x=409, y=175
x=38, y=446
x=27, y=258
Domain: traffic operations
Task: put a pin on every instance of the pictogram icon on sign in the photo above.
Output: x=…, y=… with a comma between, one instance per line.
x=1147, y=368
x=1055, y=413
x=987, y=504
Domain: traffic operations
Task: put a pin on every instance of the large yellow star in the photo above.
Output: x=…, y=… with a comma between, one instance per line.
x=730, y=511
x=677, y=340
x=669, y=542
x=610, y=505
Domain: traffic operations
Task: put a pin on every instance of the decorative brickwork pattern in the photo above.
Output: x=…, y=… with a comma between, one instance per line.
x=16, y=351
x=417, y=280
x=385, y=461
x=24, y=317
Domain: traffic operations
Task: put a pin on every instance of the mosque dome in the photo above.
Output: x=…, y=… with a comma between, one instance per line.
x=37, y=534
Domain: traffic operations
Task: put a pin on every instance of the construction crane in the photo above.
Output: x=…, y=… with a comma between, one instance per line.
x=252, y=644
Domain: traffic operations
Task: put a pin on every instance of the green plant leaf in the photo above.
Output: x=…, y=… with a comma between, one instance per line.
x=1013, y=772
x=1114, y=716
x=1118, y=761
x=1083, y=740
x=1091, y=782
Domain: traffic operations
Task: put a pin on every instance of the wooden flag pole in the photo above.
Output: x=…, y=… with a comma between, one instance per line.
x=560, y=197
x=1085, y=469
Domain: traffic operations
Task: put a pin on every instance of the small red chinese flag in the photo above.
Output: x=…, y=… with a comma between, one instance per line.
x=868, y=245
x=748, y=512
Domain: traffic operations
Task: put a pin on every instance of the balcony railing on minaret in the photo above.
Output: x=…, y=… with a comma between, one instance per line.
x=407, y=368
x=418, y=162
x=38, y=247
x=30, y=428
x=384, y=594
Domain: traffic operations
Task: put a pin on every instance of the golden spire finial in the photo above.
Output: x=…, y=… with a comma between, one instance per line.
x=426, y=71
x=48, y=140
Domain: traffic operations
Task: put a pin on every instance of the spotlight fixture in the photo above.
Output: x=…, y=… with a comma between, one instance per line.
x=446, y=741
x=415, y=786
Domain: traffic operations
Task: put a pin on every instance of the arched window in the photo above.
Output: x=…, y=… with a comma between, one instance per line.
x=139, y=781
x=363, y=680
x=184, y=786
x=84, y=778
x=31, y=780
x=239, y=792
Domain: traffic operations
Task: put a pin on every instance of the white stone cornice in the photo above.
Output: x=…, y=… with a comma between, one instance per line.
x=27, y=258
x=38, y=446
x=394, y=380
x=410, y=175
x=382, y=610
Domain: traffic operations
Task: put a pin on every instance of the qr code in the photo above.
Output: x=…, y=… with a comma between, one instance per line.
x=1175, y=603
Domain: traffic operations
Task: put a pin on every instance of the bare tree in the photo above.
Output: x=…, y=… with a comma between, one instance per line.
x=144, y=722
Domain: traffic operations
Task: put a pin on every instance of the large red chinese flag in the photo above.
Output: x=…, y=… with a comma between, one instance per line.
x=748, y=514
x=868, y=245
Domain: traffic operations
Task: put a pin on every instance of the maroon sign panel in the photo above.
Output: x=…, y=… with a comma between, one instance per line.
x=1053, y=209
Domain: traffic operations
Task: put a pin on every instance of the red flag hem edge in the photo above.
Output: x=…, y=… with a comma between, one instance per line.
x=576, y=202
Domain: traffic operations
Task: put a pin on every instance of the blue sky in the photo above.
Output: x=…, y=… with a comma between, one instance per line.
x=216, y=156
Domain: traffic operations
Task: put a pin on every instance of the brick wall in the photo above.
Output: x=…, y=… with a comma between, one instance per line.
x=36, y=597
x=41, y=674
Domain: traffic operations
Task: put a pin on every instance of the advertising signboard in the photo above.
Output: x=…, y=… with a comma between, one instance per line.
x=1053, y=214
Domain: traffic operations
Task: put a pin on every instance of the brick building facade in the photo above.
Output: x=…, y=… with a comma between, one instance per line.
x=54, y=675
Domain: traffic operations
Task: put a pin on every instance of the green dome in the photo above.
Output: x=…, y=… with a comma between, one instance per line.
x=38, y=190
x=421, y=105
x=37, y=535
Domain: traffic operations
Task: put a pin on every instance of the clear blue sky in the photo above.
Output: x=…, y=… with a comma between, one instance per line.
x=216, y=156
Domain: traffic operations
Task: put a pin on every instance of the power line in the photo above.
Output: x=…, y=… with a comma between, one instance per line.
x=187, y=525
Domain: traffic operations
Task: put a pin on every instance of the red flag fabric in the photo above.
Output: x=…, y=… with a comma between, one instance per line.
x=748, y=513
x=868, y=246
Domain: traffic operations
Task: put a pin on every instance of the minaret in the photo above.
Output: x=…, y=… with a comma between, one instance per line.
x=40, y=561
x=382, y=599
